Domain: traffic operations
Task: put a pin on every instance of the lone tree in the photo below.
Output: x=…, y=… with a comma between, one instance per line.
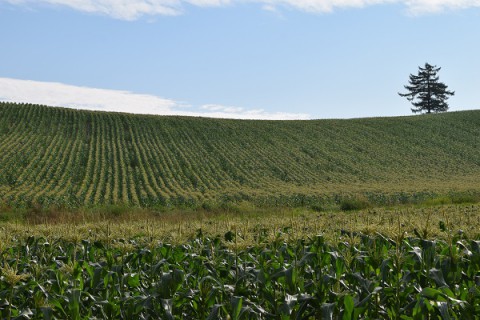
x=426, y=93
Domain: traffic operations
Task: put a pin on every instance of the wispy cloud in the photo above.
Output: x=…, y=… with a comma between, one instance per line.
x=119, y=9
x=63, y=95
x=134, y=9
x=59, y=94
x=434, y=6
x=322, y=6
x=219, y=111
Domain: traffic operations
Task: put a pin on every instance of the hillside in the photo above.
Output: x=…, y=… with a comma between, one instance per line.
x=69, y=157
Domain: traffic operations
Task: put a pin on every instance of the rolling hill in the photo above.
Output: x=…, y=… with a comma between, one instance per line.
x=59, y=156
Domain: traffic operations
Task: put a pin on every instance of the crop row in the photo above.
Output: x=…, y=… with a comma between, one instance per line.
x=76, y=158
x=360, y=277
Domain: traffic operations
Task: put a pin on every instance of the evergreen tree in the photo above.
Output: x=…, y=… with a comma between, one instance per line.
x=426, y=93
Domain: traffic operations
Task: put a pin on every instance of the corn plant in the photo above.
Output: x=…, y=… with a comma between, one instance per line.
x=359, y=277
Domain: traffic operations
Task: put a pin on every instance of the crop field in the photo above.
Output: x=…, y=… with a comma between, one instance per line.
x=71, y=158
x=119, y=216
x=384, y=263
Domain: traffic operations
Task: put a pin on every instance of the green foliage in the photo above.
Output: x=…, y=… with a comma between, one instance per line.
x=453, y=198
x=358, y=277
x=353, y=204
x=438, y=201
x=461, y=198
x=426, y=92
x=57, y=157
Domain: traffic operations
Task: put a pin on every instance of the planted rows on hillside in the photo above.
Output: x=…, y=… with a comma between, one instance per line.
x=56, y=156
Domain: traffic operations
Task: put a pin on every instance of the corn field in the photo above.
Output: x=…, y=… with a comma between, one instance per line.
x=70, y=158
x=358, y=277
x=117, y=216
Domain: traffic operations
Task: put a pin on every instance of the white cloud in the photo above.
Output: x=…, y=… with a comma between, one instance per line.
x=119, y=9
x=216, y=107
x=320, y=6
x=63, y=95
x=432, y=6
x=134, y=9
x=58, y=94
x=219, y=111
x=209, y=3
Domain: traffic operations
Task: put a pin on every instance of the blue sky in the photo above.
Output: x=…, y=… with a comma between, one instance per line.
x=258, y=59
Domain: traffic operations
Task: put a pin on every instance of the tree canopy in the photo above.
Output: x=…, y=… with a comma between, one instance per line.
x=426, y=92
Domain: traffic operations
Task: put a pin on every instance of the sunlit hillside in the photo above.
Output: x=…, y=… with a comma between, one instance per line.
x=69, y=157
